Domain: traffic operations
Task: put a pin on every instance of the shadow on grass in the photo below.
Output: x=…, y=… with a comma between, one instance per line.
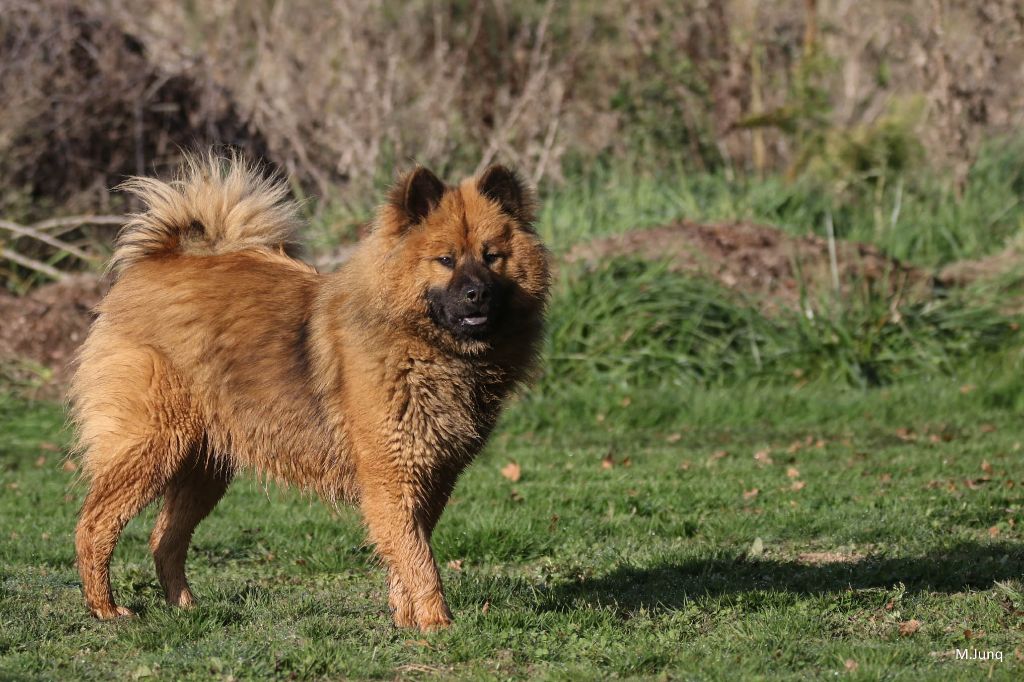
x=667, y=587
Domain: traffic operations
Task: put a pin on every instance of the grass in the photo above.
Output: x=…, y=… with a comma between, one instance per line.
x=743, y=531
x=707, y=492
x=915, y=217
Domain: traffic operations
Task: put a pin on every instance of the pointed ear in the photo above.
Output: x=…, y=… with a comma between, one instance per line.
x=417, y=194
x=504, y=187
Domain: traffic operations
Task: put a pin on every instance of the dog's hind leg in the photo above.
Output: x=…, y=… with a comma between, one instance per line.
x=189, y=497
x=116, y=496
x=136, y=430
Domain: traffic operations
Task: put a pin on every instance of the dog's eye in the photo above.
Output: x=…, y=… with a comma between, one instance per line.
x=446, y=261
x=491, y=258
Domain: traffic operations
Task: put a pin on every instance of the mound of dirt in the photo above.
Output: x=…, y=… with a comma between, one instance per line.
x=764, y=262
x=47, y=325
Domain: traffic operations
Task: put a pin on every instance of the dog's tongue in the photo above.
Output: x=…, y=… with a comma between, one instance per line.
x=474, y=321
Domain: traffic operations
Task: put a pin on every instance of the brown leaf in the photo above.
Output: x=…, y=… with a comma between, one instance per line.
x=885, y=478
x=40, y=461
x=793, y=472
x=987, y=428
x=626, y=402
x=763, y=457
x=717, y=455
x=455, y=564
x=607, y=462
x=906, y=435
x=626, y=462
x=485, y=608
x=70, y=465
x=673, y=438
x=993, y=531
x=751, y=494
x=797, y=485
x=986, y=467
x=49, y=447
x=685, y=465
x=909, y=627
x=967, y=388
x=851, y=665
x=512, y=471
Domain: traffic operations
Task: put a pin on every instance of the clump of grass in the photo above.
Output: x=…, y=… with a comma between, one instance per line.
x=636, y=324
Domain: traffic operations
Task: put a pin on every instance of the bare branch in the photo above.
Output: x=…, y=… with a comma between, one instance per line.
x=32, y=264
x=33, y=233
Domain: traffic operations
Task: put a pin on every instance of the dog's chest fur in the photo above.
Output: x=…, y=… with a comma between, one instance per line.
x=441, y=410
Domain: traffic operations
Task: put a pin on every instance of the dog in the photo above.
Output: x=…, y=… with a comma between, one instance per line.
x=217, y=350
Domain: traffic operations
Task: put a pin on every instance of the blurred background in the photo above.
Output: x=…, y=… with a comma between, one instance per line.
x=798, y=155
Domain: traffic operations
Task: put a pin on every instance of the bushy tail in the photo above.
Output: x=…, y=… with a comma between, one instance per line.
x=215, y=205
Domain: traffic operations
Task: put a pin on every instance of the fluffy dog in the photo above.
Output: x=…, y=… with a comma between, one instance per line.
x=216, y=351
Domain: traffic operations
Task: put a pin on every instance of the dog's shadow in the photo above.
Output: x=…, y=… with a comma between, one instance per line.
x=669, y=586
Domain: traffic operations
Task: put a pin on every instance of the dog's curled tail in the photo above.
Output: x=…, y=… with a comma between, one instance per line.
x=215, y=205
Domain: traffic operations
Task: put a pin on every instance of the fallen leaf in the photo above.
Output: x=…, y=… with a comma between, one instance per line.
x=851, y=665
x=763, y=457
x=455, y=564
x=717, y=455
x=905, y=435
x=756, y=548
x=485, y=608
x=49, y=447
x=70, y=465
x=626, y=402
x=512, y=471
x=607, y=462
x=417, y=642
x=986, y=467
x=793, y=472
x=909, y=627
x=993, y=531
x=967, y=388
x=40, y=461
x=685, y=465
x=751, y=494
x=797, y=485
x=673, y=438
x=987, y=428
x=885, y=478
x=626, y=462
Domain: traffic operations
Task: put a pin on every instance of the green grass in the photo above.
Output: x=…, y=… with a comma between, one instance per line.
x=915, y=217
x=707, y=492
x=644, y=569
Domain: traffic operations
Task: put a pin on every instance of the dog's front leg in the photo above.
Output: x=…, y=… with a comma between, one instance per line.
x=416, y=596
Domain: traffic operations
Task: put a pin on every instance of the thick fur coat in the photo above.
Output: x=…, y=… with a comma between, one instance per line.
x=217, y=351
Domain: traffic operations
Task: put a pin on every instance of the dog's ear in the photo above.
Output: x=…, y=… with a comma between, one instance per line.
x=417, y=194
x=503, y=186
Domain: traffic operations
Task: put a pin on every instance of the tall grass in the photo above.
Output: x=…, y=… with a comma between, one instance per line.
x=916, y=217
x=632, y=324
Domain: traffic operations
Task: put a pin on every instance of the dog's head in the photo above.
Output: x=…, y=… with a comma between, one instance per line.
x=462, y=264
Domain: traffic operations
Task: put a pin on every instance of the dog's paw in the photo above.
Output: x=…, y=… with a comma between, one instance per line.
x=113, y=613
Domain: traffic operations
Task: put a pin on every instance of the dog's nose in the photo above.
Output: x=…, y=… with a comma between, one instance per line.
x=476, y=292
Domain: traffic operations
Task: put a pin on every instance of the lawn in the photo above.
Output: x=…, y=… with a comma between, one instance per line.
x=776, y=530
x=695, y=489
